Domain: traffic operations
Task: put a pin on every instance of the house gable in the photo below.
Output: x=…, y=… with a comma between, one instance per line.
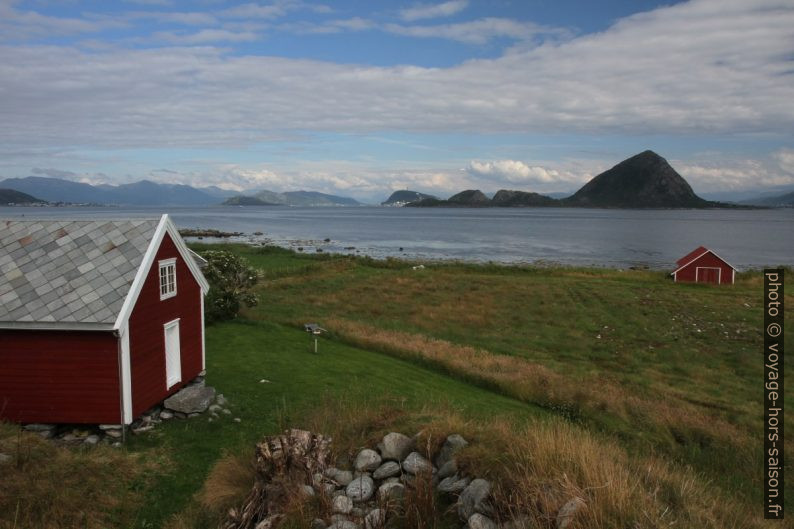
x=166, y=226
x=145, y=329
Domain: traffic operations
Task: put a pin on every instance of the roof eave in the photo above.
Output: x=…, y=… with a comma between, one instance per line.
x=55, y=326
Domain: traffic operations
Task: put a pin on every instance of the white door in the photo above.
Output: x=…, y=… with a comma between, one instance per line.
x=173, y=363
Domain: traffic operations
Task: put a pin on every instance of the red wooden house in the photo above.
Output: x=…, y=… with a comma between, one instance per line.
x=704, y=266
x=99, y=320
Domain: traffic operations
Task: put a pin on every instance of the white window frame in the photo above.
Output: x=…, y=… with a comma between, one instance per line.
x=173, y=376
x=170, y=288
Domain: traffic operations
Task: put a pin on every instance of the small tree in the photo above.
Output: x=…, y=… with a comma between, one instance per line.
x=231, y=281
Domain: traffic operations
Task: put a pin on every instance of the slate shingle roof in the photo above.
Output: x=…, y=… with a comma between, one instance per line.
x=69, y=272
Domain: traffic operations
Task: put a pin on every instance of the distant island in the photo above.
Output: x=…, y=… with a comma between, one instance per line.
x=291, y=198
x=645, y=180
x=778, y=201
x=11, y=197
x=241, y=200
x=405, y=196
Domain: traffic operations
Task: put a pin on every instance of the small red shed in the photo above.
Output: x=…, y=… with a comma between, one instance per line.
x=704, y=266
x=99, y=319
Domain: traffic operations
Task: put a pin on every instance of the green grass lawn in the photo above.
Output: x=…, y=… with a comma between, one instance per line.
x=239, y=355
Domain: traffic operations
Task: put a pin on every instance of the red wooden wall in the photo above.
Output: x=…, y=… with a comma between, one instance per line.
x=59, y=377
x=688, y=273
x=147, y=336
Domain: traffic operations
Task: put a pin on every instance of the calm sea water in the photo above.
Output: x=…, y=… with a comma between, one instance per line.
x=610, y=238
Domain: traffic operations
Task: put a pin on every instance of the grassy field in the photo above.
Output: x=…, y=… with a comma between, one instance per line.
x=638, y=394
x=668, y=369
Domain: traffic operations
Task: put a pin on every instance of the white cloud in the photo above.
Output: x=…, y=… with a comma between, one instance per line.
x=162, y=3
x=21, y=24
x=205, y=36
x=423, y=11
x=699, y=68
x=477, y=31
x=183, y=18
x=785, y=160
x=276, y=9
x=54, y=173
x=514, y=171
x=734, y=175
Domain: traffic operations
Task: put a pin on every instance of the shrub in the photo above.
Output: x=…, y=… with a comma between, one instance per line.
x=231, y=281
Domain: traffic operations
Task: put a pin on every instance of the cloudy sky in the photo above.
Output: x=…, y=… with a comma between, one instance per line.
x=362, y=97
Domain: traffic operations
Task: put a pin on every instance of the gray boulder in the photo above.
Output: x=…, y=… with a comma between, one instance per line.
x=344, y=524
x=307, y=490
x=192, y=399
x=361, y=488
x=367, y=460
x=5, y=458
x=474, y=498
x=343, y=477
x=452, y=444
x=567, y=512
x=386, y=470
x=395, y=446
x=342, y=505
x=479, y=521
x=376, y=519
x=36, y=427
x=414, y=464
x=453, y=484
x=318, y=523
x=391, y=492
x=450, y=468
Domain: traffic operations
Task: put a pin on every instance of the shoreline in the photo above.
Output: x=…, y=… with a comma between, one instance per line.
x=330, y=248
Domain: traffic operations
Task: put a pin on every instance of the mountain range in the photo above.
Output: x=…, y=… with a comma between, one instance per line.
x=148, y=193
x=142, y=193
x=645, y=180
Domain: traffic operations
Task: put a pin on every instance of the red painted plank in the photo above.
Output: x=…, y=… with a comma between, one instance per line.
x=59, y=377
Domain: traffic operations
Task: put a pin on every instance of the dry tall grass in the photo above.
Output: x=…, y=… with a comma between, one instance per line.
x=535, y=467
x=535, y=383
x=48, y=486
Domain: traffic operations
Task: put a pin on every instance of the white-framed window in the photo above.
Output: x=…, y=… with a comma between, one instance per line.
x=167, y=278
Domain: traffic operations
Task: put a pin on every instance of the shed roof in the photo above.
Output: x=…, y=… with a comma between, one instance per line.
x=73, y=272
x=695, y=254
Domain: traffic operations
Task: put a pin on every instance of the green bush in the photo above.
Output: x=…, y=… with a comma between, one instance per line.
x=231, y=281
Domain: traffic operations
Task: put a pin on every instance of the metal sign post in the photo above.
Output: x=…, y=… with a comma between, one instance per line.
x=315, y=330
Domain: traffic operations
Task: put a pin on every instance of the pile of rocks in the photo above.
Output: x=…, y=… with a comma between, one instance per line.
x=375, y=489
x=376, y=486
x=192, y=401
